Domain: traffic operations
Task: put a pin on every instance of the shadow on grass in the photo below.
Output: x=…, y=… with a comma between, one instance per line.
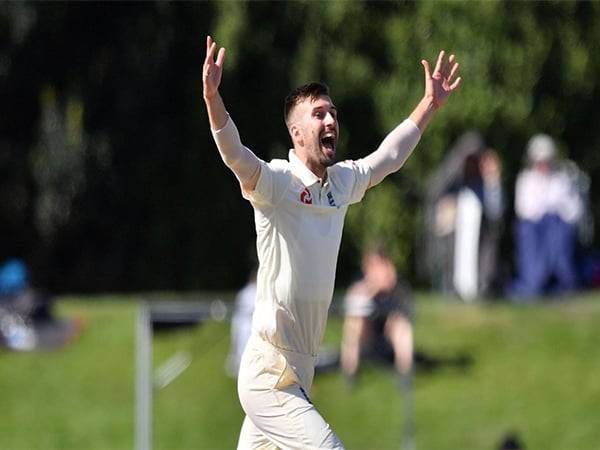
x=428, y=363
x=425, y=363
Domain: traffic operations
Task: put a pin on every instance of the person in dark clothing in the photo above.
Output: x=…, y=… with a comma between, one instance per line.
x=378, y=316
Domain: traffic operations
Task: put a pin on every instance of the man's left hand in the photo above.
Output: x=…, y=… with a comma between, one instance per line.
x=439, y=85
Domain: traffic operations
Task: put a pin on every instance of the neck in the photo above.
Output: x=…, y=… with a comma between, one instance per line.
x=318, y=170
x=314, y=166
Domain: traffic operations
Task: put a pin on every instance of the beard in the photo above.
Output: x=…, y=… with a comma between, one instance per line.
x=324, y=151
x=326, y=157
x=319, y=147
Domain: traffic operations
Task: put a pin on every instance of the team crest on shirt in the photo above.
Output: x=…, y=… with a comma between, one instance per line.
x=306, y=197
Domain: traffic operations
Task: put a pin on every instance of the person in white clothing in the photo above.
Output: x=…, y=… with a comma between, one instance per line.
x=479, y=207
x=241, y=322
x=548, y=207
x=299, y=208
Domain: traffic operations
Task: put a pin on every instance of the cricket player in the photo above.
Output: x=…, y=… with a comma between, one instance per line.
x=299, y=209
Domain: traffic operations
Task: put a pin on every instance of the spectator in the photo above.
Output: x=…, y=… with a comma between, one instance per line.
x=378, y=310
x=478, y=223
x=493, y=223
x=26, y=318
x=440, y=212
x=241, y=324
x=463, y=220
x=548, y=208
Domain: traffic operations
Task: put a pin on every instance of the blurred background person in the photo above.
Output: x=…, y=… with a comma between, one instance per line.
x=241, y=324
x=440, y=212
x=464, y=220
x=467, y=224
x=492, y=226
x=378, y=317
x=478, y=225
x=548, y=208
x=27, y=320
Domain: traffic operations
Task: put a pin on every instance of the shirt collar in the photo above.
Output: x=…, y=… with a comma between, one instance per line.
x=301, y=171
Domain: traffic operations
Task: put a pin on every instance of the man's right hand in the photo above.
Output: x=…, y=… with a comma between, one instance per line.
x=212, y=70
x=211, y=79
x=238, y=158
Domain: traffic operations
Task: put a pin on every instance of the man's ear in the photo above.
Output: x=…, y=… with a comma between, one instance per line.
x=296, y=134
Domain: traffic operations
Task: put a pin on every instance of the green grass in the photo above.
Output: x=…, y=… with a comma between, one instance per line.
x=535, y=370
x=78, y=398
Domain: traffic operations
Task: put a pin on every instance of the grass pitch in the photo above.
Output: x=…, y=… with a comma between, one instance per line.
x=532, y=370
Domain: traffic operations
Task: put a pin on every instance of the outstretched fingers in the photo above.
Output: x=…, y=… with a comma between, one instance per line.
x=456, y=84
x=212, y=70
x=210, y=51
x=427, y=69
x=453, y=70
x=439, y=63
x=220, y=57
x=440, y=83
x=210, y=65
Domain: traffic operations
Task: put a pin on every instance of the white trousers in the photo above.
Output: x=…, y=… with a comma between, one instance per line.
x=279, y=414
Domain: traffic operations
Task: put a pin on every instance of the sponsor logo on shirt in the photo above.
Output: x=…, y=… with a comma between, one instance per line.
x=330, y=199
x=306, y=197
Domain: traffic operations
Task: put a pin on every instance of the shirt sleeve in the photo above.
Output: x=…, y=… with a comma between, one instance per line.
x=393, y=151
x=273, y=182
x=355, y=177
x=240, y=159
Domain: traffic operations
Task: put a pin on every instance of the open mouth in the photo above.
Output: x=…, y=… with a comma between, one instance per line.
x=328, y=143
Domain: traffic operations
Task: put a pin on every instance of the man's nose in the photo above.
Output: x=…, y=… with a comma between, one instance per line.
x=329, y=119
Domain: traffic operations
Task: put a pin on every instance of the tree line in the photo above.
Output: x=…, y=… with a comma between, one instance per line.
x=110, y=179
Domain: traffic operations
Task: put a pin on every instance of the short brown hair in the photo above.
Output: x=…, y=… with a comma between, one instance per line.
x=312, y=90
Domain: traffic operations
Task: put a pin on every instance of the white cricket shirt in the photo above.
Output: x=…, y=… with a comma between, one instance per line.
x=299, y=221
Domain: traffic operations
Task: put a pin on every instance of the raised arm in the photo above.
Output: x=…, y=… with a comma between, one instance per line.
x=399, y=144
x=244, y=164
